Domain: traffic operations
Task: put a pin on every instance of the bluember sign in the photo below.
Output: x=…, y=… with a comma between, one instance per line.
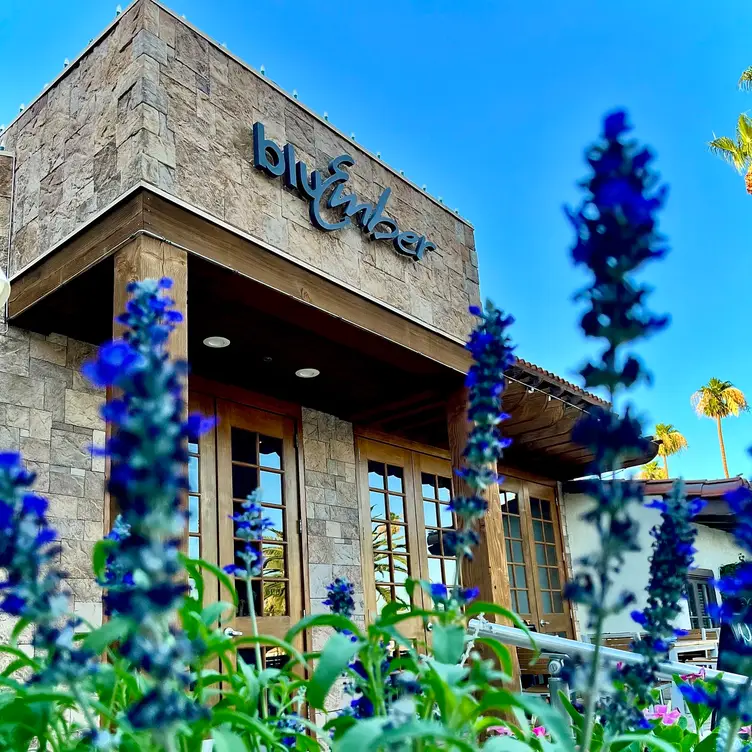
x=329, y=190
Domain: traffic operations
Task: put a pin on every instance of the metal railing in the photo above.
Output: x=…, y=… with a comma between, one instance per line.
x=555, y=648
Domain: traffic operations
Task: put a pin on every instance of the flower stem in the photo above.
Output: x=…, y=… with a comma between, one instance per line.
x=257, y=647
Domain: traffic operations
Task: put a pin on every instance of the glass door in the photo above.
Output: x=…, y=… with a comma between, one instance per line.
x=535, y=561
x=256, y=449
x=390, y=544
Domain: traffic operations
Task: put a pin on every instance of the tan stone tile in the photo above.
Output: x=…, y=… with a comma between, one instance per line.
x=90, y=510
x=98, y=443
x=75, y=558
x=71, y=449
x=17, y=417
x=40, y=424
x=82, y=409
x=36, y=450
x=66, y=484
x=14, y=355
x=52, y=352
x=21, y=390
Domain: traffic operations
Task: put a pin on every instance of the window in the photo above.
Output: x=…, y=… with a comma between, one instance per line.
x=436, y=491
x=700, y=595
x=391, y=553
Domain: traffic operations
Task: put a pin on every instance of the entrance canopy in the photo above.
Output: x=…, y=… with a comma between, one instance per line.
x=377, y=367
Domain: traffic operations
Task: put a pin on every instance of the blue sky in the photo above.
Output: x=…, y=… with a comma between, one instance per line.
x=490, y=104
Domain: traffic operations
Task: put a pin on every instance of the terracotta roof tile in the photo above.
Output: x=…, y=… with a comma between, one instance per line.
x=550, y=375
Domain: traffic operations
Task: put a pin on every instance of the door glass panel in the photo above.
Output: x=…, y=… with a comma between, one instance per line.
x=510, y=512
x=391, y=558
x=250, y=450
x=194, y=500
x=270, y=452
x=438, y=518
x=546, y=557
x=271, y=487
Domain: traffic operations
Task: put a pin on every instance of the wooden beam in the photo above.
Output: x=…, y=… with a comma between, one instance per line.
x=142, y=258
x=488, y=569
x=92, y=245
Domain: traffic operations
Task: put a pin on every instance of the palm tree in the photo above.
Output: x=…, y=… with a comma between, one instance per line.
x=718, y=399
x=671, y=442
x=652, y=471
x=737, y=152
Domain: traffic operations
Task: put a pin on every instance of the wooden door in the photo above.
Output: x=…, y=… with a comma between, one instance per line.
x=389, y=540
x=547, y=560
x=535, y=561
x=433, y=484
x=256, y=449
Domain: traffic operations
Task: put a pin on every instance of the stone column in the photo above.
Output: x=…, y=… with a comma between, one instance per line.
x=488, y=568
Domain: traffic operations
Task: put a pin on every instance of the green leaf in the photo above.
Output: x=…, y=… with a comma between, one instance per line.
x=648, y=740
x=709, y=743
x=420, y=729
x=450, y=673
x=505, y=744
x=102, y=549
x=111, y=631
x=361, y=736
x=500, y=651
x=448, y=642
x=548, y=717
x=227, y=741
x=214, y=611
x=220, y=574
x=323, y=620
x=337, y=653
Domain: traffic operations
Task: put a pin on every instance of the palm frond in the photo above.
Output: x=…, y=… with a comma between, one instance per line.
x=735, y=400
x=671, y=440
x=728, y=150
x=745, y=80
x=744, y=131
x=652, y=471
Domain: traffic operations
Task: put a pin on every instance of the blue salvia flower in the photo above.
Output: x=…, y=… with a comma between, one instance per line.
x=340, y=597
x=290, y=725
x=733, y=704
x=31, y=589
x=616, y=233
x=250, y=525
x=493, y=354
x=148, y=459
x=670, y=563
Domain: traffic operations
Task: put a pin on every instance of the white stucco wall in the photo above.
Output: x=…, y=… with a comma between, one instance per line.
x=714, y=549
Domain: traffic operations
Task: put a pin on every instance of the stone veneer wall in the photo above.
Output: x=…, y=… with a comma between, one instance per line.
x=78, y=147
x=6, y=190
x=333, y=524
x=50, y=414
x=154, y=101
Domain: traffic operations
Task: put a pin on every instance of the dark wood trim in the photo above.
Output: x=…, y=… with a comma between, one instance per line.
x=245, y=397
x=512, y=472
x=93, y=244
x=387, y=438
x=303, y=512
x=221, y=246
x=488, y=569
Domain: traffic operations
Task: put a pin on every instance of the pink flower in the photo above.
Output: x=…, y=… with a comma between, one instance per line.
x=500, y=730
x=540, y=731
x=747, y=730
x=691, y=678
x=663, y=714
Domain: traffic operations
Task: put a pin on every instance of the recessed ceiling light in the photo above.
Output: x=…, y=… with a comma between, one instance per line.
x=307, y=373
x=216, y=342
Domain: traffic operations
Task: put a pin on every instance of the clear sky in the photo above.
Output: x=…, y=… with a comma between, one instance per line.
x=490, y=104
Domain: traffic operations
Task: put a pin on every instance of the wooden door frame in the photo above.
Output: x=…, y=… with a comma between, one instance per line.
x=525, y=481
x=215, y=390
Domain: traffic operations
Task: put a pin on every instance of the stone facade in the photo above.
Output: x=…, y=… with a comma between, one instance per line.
x=155, y=101
x=6, y=191
x=332, y=506
x=333, y=524
x=77, y=146
x=50, y=414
